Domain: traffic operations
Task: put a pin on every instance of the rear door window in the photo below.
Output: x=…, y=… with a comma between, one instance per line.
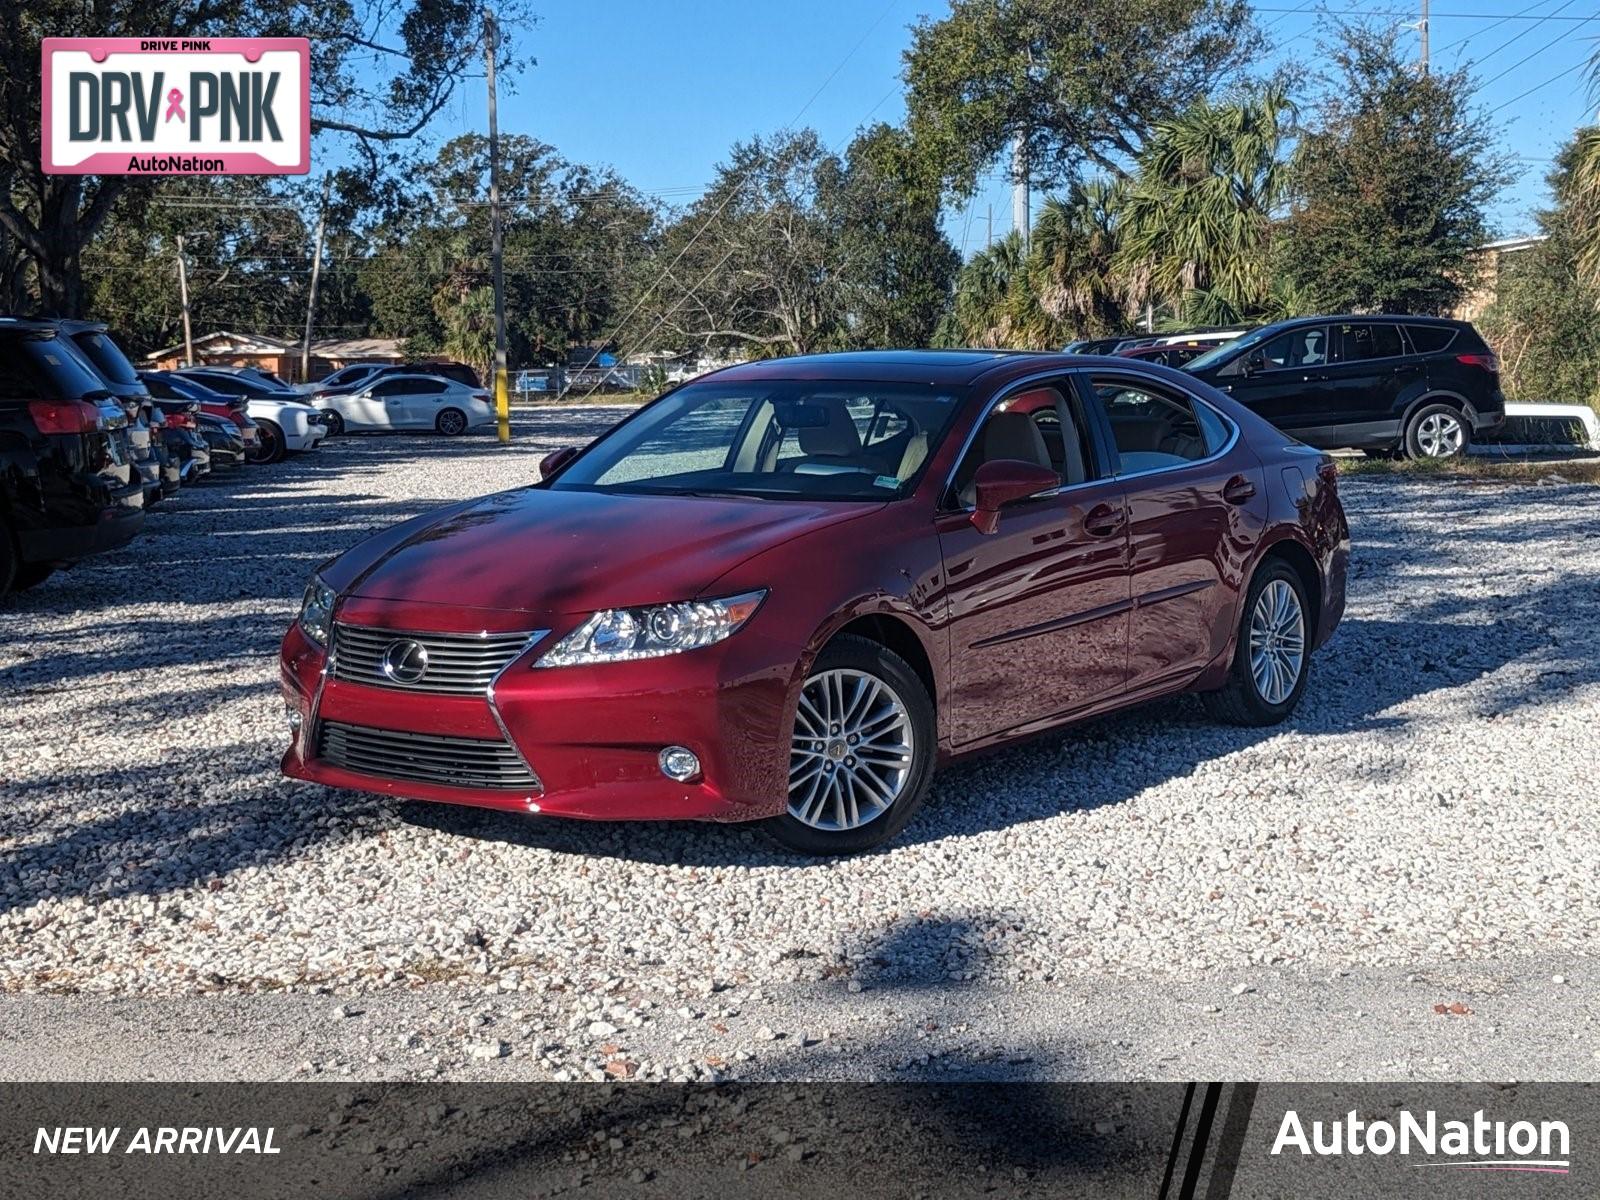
x=1152, y=428
x=1359, y=342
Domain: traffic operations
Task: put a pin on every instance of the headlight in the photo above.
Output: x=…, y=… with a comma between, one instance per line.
x=626, y=634
x=316, y=611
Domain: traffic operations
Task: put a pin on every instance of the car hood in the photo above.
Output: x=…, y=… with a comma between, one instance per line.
x=534, y=550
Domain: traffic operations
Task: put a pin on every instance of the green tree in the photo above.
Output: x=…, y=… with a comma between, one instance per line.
x=1073, y=287
x=1542, y=322
x=991, y=289
x=1196, y=220
x=379, y=72
x=1084, y=82
x=1388, y=185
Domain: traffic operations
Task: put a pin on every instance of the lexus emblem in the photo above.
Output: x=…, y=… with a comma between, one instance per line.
x=405, y=662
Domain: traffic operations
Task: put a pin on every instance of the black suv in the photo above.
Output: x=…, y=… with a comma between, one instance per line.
x=1417, y=386
x=67, y=488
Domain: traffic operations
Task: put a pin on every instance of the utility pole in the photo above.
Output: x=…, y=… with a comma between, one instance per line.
x=183, y=293
x=502, y=398
x=1422, y=34
x=1021, y=201
x=316, y=275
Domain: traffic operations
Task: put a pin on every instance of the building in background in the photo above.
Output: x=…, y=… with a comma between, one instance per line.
x=1488, y=258
x=227, y=349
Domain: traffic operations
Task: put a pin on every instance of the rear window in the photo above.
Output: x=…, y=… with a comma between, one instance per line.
x=1430, y=339
x=106, y=355
x=45, y=369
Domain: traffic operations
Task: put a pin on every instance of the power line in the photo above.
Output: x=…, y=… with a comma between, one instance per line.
x=1536, y=87
x=1562, y=36
x=1462, y=40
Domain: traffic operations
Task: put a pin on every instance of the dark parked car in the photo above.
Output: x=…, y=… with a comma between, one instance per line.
x=181, y=438
x=106, y=359
x=224, y=440
x=1169, y=355
x=788, y=590
x=1417, y=386
x=67, y=489
x=170, y=385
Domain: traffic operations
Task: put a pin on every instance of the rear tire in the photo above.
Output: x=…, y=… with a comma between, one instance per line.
x=29, y=575
x=1274, y=624
x=270, y=446
x=8, y=558
x=842, y=806
x=1438, y=432
x=452, y=422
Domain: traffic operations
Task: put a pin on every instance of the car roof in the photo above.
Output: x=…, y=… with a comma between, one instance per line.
x=948, y=368
x=1370, y=318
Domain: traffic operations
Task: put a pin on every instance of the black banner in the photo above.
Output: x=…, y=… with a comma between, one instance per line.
x=1162, y=1141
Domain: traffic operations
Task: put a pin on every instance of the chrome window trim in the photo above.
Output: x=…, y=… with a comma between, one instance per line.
x=1010, y=390
x=1227, y=447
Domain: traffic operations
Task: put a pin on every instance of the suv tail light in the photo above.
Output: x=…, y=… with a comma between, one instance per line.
x=180, y=420
x=1487, y=362
x=64, y=416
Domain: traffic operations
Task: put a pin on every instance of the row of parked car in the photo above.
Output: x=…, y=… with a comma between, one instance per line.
x=89, y=443
x=1401, y=386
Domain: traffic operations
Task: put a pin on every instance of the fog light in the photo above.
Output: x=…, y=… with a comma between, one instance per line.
x=680, y=763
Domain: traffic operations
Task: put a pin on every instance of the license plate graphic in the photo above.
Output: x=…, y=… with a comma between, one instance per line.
x=176, y=106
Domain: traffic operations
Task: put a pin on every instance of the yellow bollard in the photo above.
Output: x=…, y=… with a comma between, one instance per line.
x=502, y=404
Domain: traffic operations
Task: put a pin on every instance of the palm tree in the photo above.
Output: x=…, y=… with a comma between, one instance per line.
x=1197, y=216
x=1073, y=289
x=1580, y=190
x=982, y=311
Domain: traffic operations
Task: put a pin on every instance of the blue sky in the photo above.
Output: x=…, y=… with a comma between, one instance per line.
x=660, y=91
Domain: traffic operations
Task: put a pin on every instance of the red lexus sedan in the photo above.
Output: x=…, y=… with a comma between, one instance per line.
x=787, y=590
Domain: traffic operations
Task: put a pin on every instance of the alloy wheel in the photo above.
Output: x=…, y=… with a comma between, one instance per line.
x=1439, y=435
x=451, y=423
x=1277, y=641
x=852, y=750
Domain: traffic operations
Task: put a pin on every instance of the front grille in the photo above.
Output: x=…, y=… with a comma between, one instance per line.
x=424, y=757
x=462, y=664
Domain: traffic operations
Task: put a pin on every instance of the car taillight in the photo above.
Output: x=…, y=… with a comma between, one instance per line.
x=64, y=416
x=180, y=420
x=1487, y=362
x=481, y=397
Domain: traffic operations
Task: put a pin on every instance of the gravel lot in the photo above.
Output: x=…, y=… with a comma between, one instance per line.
x=1429, y=816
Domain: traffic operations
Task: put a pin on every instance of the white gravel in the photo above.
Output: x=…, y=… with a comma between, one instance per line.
x=1431, y=804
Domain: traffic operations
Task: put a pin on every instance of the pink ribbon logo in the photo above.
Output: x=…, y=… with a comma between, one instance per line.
x=175, y=105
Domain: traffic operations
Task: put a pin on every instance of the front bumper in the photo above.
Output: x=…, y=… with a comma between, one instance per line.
x=592, y=735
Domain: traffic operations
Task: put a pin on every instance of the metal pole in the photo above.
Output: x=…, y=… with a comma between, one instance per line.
x=1021, y=201
x=502, y=398
x=1422, y=30
x=183, y=293
x=316, y=275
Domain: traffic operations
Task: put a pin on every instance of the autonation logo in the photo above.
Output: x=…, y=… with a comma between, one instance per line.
x=1479, y=1144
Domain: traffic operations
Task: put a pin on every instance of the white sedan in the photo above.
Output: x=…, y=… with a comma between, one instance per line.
x=409, y=402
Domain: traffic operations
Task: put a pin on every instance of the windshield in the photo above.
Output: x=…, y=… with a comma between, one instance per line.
x=826, y=440
x=105, y=354
x=1226, y=349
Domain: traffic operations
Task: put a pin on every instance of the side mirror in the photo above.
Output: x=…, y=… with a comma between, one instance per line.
x=1004, y=481
x=555, y=460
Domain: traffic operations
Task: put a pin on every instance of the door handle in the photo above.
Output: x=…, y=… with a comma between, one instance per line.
x=1238, y=489
x=1102, y=520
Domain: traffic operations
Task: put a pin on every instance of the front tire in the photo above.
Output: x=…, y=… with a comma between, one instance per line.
x=1273, y=657
x=335, y=423
x=1437, y=431
x=862, y=754
x=270, y=446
